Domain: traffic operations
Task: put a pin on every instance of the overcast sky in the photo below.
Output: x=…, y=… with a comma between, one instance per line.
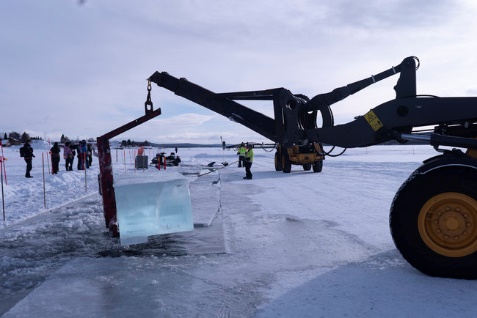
x=81, y=66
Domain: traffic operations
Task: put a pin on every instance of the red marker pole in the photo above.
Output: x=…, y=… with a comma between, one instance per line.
x=4, y=167
x=124, y=160
x=43, y=168
x=84, y=167
x=48, y=161
x=1, y=178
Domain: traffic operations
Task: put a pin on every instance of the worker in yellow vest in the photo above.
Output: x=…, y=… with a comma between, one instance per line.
x=248, y=162
x=241, y=153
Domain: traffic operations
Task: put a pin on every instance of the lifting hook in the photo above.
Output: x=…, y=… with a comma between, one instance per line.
x=148, y=104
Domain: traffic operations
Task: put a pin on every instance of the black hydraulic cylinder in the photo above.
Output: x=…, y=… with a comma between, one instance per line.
x=452, y=141
x=437, y=140
x=324, y=100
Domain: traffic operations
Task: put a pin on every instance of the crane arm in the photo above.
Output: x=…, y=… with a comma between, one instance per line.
x=295, y=115
x=222, y=104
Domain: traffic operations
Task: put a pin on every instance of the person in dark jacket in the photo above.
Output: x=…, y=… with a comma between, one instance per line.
x=82, y=163
x=27, y=152
x=55, y=158
x=73, y=148
x=89, y=155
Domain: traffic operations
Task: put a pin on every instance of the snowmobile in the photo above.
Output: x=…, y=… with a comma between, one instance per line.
x=171, y=160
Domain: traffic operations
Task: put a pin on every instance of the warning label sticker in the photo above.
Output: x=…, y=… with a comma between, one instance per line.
x=373, y=120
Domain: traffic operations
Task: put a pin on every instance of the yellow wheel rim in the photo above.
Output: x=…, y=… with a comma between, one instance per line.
x=447, y=224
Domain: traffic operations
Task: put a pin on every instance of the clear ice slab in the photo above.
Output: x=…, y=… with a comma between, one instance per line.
x=151, y=205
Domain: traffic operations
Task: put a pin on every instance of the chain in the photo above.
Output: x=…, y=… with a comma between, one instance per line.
x=148, y=99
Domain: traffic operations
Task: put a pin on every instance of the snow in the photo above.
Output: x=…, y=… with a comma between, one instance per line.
x=302, y=244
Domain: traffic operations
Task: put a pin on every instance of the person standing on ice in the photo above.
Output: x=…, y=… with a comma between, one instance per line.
x=82, y=163
x=89, y=155
x=140, y=151
x=68, y=156
x=55, y=158
x=73, y=148
x=248, y=159
x=27, y=153
x=241, y=153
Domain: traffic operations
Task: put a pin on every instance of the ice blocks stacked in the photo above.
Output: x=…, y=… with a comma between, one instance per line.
x=152, y=204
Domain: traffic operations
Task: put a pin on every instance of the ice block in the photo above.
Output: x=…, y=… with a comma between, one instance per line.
x=151, y=205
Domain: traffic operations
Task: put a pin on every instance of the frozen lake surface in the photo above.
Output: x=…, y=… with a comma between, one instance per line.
x=302, y=244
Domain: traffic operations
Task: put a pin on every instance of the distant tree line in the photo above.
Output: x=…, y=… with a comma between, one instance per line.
x=64, y=139
x=17, y=138
x=129, y=143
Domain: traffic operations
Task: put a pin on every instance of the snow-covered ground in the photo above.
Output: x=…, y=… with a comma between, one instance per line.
x=282, y=245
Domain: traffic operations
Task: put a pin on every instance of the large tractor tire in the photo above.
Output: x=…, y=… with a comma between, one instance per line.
x=307, y=166
x=433, y=221
x=318, y=166
x=278, y=161
x=286, y=163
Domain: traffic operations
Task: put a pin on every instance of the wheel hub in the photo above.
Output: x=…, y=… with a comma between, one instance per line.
x=447, y=224
x=451, y=222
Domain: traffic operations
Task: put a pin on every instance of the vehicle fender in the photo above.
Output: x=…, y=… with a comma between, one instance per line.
x=450, y=159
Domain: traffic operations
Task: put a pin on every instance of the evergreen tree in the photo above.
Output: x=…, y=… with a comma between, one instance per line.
x=14, y=135
x=25, y=137
x=62, y=139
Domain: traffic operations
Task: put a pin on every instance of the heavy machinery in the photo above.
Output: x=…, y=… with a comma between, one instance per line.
x=309, y=156
x=286, y=129
x=433, y=216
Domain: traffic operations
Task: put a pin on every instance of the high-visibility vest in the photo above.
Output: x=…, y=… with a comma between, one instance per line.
x=242, y=151
x=249, y=155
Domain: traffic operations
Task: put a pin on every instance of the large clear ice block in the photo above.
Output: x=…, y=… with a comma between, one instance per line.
x=148, y=205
